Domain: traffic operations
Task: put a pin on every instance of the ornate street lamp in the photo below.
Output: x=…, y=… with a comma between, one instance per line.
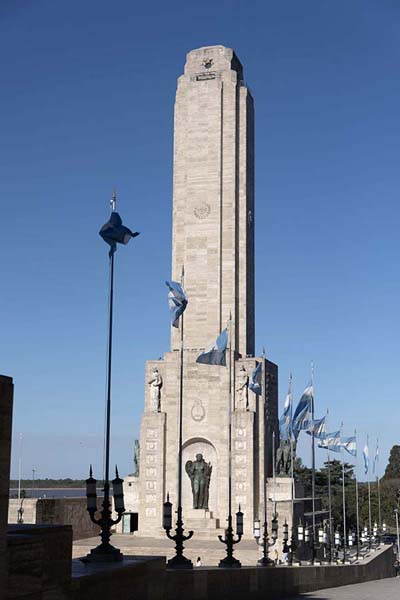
x=266, y=561
x=288, y=548
x=105, y=552
x=179, y=560
x=229, y=540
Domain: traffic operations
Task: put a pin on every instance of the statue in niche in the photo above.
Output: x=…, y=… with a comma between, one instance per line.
x=155, y=384
x=200, y=474
x=284, y=458
x=136, y=457
x=242, y=402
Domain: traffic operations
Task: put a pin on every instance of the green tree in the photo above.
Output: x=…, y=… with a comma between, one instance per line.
x=393, y=467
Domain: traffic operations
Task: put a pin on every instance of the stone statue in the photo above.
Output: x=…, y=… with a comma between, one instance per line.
x=136, y=457
x=200, y=474
x=155, y=391
x=242, y=402
x=284, y=459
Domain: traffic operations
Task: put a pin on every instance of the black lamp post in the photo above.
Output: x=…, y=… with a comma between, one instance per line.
x=288, y=548
x=105, y=552
x=229, y=540
x=179, y=561
x=266, y=561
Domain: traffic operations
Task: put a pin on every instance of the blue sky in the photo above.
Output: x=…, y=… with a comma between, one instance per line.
x=87, y=104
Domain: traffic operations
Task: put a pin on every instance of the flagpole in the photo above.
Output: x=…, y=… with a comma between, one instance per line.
x=369, y=501
x=19, y=467
x=329, y=495
x=357, y=507
x=179, y=561
x=105, y=552
x=378, y=488
x=229, y=561
x=344, y=503
x=313, y=464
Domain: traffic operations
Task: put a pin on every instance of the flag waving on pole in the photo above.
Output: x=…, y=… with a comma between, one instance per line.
x=317, y=427
x=114, y=232
x=255, y=381
x=285, y=423
x=215, y=354
x=349, y=444
x=366, y=458
x=177, y=301
x=331, y=441
x=302, y=414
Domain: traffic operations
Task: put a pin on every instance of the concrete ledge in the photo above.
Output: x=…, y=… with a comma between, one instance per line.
x=134, y=578
x=273, y=583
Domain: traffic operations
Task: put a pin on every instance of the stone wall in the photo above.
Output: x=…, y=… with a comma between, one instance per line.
x=6, y=408
x=273, y=583
x=39, y=562
x=56, y=511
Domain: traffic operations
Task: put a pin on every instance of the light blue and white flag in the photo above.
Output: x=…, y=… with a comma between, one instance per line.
x=177, y=301
x=318, y=427
x=376, y=457
x=349, y=444
x=331, y=441
x=255, y=381
x=302, y=414
x=215, y=354
x=366, y=458
x=285, y=423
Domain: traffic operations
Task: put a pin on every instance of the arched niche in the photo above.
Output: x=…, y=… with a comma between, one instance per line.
x=190, y=448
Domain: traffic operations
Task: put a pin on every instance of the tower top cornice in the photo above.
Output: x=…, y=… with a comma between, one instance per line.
x=212, y=58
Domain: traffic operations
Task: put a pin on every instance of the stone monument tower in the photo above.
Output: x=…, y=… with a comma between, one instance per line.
x=213, y=239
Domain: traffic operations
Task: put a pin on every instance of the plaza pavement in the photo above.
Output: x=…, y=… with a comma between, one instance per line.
x=210, y=551
x=382, y=589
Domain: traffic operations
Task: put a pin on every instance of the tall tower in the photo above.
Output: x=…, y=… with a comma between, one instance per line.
x=213, y=206
x=213, y=239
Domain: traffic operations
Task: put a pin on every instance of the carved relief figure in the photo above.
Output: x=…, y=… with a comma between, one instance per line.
x=200, y=474
x=155, y=384
x=242, y=402
x=136, y=457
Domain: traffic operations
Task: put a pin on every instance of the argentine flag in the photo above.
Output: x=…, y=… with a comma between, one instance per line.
x=331, y=441
x=302, y=414
x=114, y=232
x=285, y=420
x=177, y=301
x=255, y=381
x=215, y=354
x=349, y=444
x=318, y=428
x=366, y=458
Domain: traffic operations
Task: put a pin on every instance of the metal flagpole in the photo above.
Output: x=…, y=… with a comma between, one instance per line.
x=329, y=495
x=179, y=561
x=357, y=506
x=229, y=560
x=19, y=467
x=369, y=500
x=313, y=464
x=344, y=503
x=378, y=487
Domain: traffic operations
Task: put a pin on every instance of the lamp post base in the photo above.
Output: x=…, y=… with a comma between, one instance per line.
x=104, y=554
x=265, y=561
x=229, y=562
x=179, y=562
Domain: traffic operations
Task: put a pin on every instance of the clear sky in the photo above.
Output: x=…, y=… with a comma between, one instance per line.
x=86, y=103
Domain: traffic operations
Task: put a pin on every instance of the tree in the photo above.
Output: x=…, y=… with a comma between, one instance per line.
x=393, y=467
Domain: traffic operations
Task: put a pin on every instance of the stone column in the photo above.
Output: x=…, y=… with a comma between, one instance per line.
x=6, y=408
